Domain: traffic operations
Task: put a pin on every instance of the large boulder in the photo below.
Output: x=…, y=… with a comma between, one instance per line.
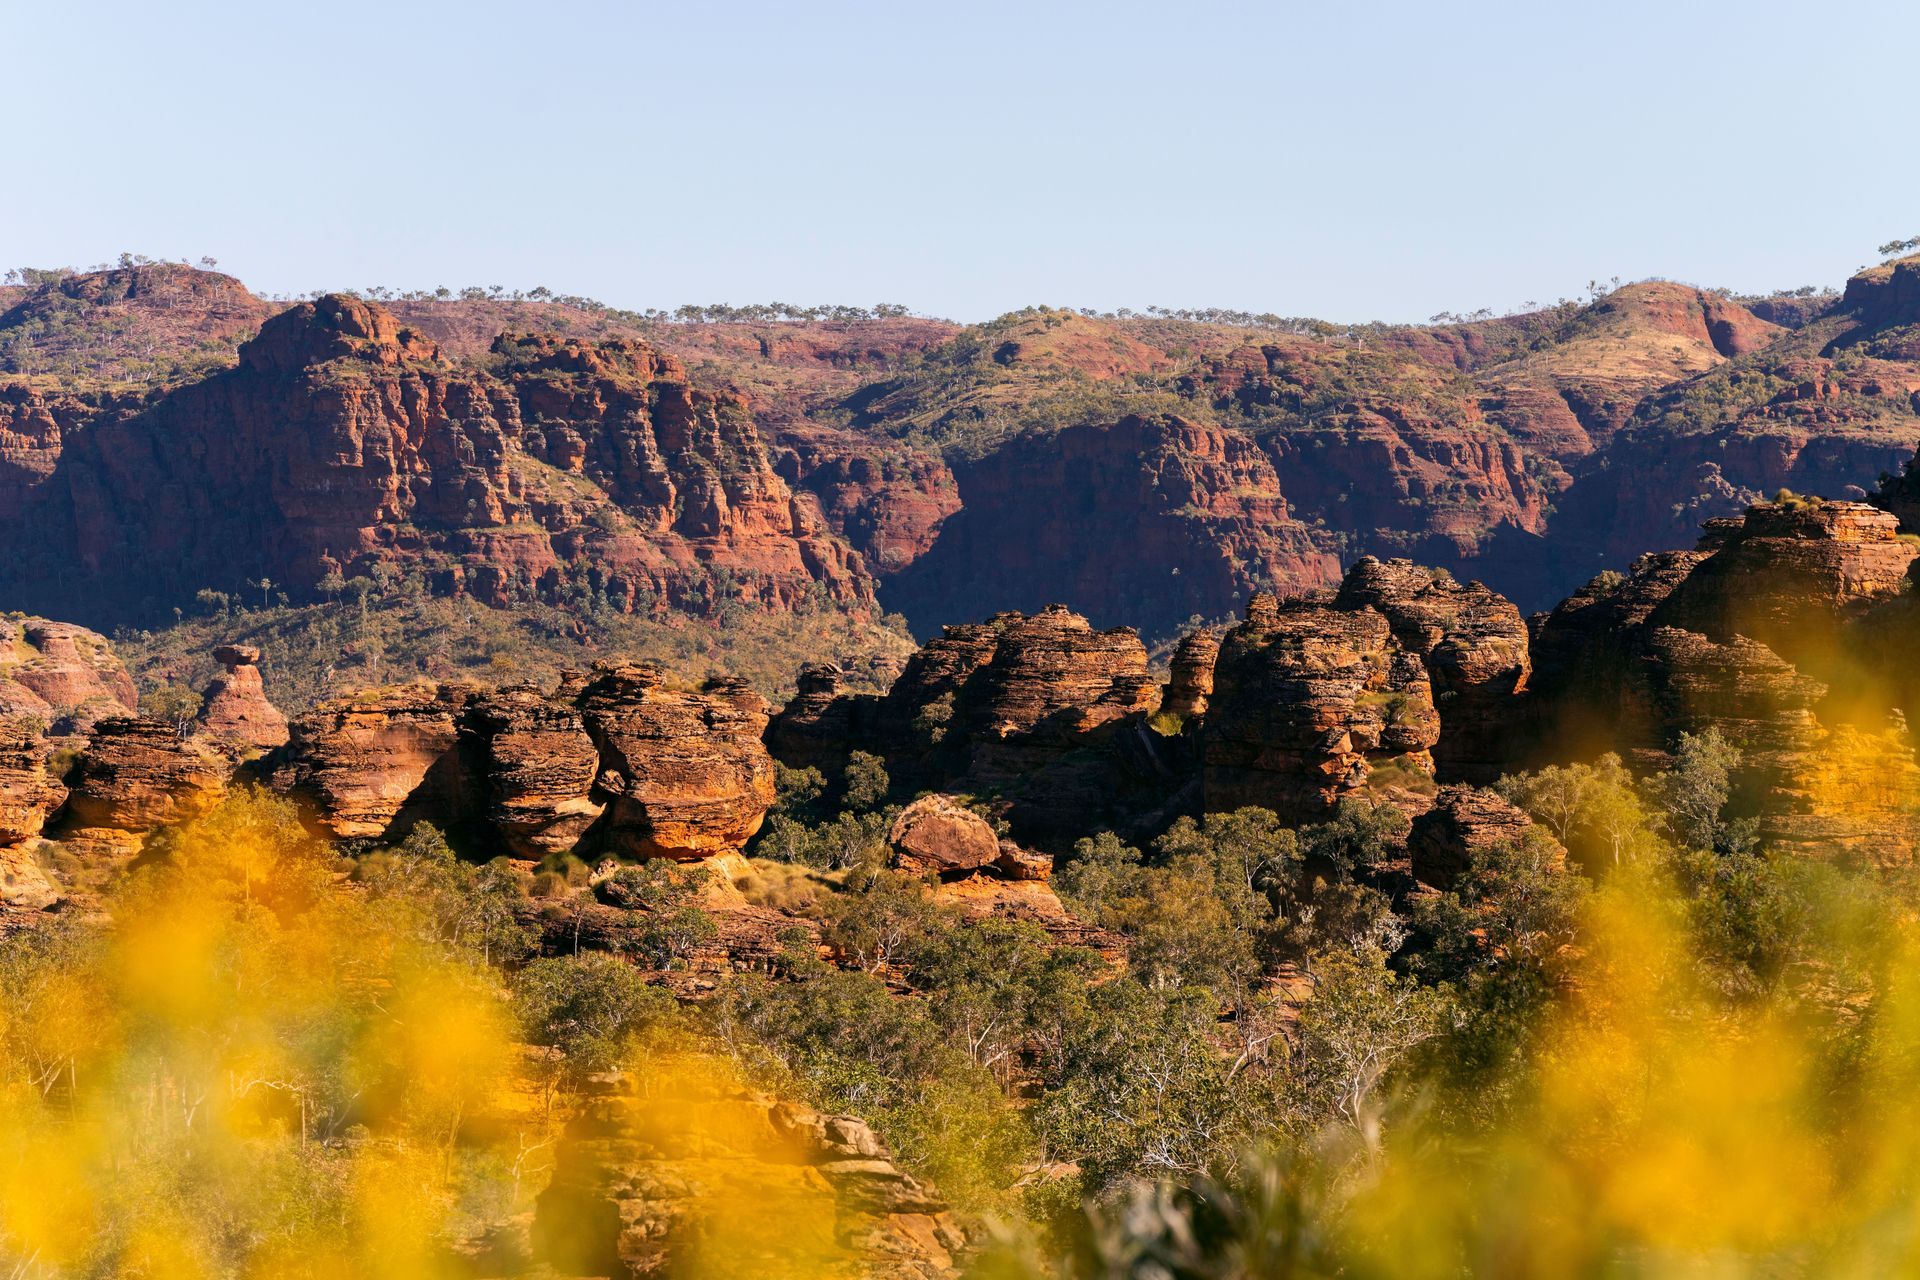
x=365, y=759
x=938, y=834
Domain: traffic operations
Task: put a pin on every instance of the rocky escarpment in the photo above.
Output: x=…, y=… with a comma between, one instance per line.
x=1148, y=521
x=1825, y=409
x=698, y=1173
x=342, y=443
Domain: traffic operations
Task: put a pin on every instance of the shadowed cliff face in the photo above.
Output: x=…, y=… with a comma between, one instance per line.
x=1147, y=521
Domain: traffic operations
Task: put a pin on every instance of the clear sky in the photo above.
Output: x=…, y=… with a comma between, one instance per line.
x=1347, y=160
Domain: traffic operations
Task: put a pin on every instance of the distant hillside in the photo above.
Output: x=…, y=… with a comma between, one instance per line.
x=166, y=441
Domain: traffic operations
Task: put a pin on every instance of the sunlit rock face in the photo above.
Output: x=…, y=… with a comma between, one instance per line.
x=234, y=706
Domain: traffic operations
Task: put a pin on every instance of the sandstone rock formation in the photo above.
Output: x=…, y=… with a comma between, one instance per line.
x=1789, y=574
x=29, y=796
x=1044, y=712
x=137, y=775
x=823, y=721
x=67, y=676
x=234, y=707
x=617, y=763
x=685, y=774
x=1474, y=645
x=536, y=765
x=1309, y=702
x=1190, y=674
x=697, y=1174
x=1744, y=634
x=367, y=759
x=1054, y=674
x=24, y=883
x=937, y=834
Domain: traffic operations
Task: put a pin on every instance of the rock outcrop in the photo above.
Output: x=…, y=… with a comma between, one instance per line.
x=1464, y=822
x=1045, y=713
x=616, y=763
x=1790, y=574
x=1474, y=645
x=137, y=775
x=1309, y=703
x=685, y=774
x=234, y=707
x=1746, y=633
x=937, y=834
x=67, y=676
x=29, y=796
x=697, y=1174
x=536, y=766
x=374, y=762
x=24, y=883
x=1190, y=673
x=823, y=721
x=29, y=793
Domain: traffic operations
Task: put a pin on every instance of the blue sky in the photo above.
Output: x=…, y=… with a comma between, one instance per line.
x=1353, y=161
